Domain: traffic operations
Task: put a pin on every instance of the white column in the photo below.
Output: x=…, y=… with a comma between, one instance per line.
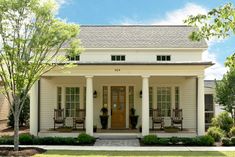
x=34, y=110
x=145, y=105
x=200, y=107
x=89, y=105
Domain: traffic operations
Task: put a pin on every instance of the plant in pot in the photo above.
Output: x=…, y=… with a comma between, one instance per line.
x=133, y=118
x=94, y=128
x=140, y=128
x=104, y=117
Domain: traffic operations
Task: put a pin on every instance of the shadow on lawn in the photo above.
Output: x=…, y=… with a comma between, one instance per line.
x=129, y=153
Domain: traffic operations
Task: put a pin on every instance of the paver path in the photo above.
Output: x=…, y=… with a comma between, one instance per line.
x=117, y=142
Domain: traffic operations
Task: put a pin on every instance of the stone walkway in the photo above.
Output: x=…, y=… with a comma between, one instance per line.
x=116, y=142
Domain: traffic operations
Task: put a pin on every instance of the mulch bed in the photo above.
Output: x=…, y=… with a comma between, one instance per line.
x=29, y=151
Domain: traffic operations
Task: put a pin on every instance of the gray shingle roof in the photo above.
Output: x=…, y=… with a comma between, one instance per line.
x=138, y=36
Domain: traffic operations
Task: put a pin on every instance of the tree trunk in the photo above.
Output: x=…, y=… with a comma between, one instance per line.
x=16, y=131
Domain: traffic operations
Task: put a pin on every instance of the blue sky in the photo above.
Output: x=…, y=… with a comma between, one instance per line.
x=149, y=12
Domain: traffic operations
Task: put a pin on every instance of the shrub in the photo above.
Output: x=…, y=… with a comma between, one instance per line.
x=6, y=140
x=188, y=141
x=85, y=139
x=223, y=121
x=232, y=132
x=205, y=141
x=150, y=140
x=216, y=133
x=233, y=140
x=26, y=139
x=55, y=141
x=174, y=140
x=226, y=142
x=163, y=141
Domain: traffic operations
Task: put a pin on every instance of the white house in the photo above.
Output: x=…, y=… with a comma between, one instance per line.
x=144, y=67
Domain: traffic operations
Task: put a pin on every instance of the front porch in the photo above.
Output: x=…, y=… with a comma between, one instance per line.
x=137, y=92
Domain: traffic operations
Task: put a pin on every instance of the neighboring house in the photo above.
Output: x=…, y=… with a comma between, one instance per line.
x=212, y=109
x=123, y=67
x=4, y=110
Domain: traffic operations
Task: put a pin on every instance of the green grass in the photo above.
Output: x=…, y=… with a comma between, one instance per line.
x=62, y=153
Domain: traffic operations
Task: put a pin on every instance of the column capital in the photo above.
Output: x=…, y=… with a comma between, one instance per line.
x=200, y=76
x=145, y=76
x=89, y=76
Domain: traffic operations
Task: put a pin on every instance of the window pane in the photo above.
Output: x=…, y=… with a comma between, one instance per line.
x=158, y=58
x=164, y=100
x=168, y=58
x=72, y=100
x=113, y=58
x=118, y=58
x=105, y=95
x=163, y=58
x=123, y=58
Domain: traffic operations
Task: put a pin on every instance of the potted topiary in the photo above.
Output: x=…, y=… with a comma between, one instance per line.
x=133, y=118
x=104, y=117
x=94, y=128
x=140, y=128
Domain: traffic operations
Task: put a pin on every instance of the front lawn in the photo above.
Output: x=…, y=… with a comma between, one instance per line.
x=57, y=153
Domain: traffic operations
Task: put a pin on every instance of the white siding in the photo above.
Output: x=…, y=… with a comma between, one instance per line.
x=4, y=108
x=140, y=55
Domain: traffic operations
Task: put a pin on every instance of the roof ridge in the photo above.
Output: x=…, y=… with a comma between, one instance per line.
x=136, y=25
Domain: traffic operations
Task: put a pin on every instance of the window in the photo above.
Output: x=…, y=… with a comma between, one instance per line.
x=209, y=109
x=163, y=58
x=177, y=98
x=84, y=97
x=131, y=97
x=164, y=100
x=150, y=101
x=72, y=100
x=105, y=96
x=74, y=58
x=59, y=97
x=118, y=58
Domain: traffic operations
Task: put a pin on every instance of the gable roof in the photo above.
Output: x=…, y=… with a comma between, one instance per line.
x=138, y=36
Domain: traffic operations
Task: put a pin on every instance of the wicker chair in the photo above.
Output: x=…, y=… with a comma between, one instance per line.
x=79, y=118
x=157, y=118
x=59, y=117
x=177, y=117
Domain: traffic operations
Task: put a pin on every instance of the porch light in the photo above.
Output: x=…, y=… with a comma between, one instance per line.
x=95, y=94
x=141, y=94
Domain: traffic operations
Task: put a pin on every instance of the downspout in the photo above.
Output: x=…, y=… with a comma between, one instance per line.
x=39, y=104
x=197, y=106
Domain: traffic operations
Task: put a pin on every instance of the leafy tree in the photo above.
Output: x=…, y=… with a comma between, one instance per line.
x=31, y=38
x=24, y=115
x=225, y=91
x=219, y=23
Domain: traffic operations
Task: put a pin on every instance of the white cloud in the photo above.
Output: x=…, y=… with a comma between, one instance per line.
x=178, y=16
x=216, y=71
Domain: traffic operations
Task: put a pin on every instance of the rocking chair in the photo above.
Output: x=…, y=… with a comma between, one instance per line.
x=59, y=117
x=157, y=118
x=177, y=117
x=79, y=118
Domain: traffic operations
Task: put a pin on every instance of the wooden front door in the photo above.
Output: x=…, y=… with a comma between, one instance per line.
x=118, y=107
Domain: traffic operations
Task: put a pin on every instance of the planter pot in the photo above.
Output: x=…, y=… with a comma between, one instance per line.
x=140, y=129
x=134, y=121
x=104, y=121
x=94, y=129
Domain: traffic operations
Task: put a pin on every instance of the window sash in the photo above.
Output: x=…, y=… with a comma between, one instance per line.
x=164, y=100
x=72, y=100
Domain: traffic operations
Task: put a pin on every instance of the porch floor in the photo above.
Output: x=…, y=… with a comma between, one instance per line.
x=119, y=133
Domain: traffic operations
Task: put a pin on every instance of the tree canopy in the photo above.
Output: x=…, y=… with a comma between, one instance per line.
x=31, y=38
